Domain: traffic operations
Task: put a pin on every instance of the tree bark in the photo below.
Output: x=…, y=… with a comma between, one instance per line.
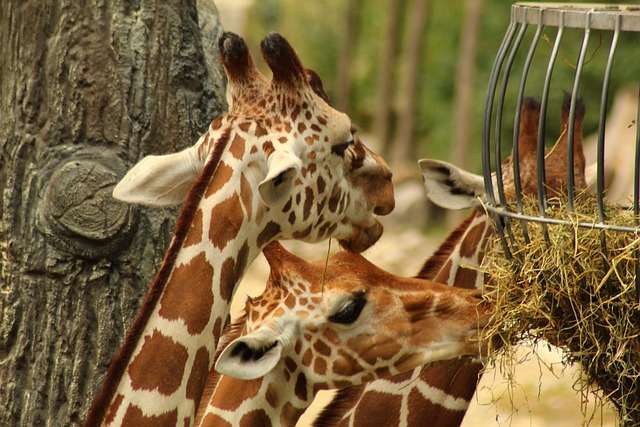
x=404, y=153
x=86, y=90
x=388, y=59
x=343, y=86
x=467, y=65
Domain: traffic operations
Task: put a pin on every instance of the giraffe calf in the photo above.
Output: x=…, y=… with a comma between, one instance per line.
x=320, y=326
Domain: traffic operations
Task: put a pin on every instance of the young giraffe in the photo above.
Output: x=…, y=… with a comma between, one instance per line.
x=331, y=324
x=440, y=393
x=281, y=164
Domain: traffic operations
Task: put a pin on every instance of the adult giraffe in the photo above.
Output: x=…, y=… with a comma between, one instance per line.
x=281, y=164
x=440, y=393
x=331, y=324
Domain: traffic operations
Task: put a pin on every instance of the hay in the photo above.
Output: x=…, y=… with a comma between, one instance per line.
x=569, y=294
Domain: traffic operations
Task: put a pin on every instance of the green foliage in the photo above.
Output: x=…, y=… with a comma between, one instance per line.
x=317, y=30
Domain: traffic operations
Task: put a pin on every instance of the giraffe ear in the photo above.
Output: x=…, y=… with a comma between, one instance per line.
x=251, y=356
x=160, y=181
x=451, y=187
x=283, y=170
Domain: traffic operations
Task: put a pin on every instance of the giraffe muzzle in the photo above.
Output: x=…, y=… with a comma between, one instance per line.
x=363, y=238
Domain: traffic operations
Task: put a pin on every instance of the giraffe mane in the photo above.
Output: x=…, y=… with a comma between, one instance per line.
x=343, y=400
x=434, y=263
x=123, y=356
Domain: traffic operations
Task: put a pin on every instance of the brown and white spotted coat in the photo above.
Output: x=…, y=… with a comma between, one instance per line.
x=439, y=394
x=281, y=164
x=331, y=324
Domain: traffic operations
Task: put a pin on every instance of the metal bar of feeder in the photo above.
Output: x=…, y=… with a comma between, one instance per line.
x=604, y=100
x=503, y=92
x=574, y=15
x=555, y=221
x=516, y=129
x=572, y=116
x=542, y=128
x=486, y=130
x=636, y=196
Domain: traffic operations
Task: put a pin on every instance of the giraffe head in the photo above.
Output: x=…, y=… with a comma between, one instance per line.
x=298, y=162
x=453, y=188
x=349, y=322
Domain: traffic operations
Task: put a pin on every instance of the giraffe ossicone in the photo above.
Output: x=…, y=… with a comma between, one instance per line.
x=331, y=324
x=281, y=164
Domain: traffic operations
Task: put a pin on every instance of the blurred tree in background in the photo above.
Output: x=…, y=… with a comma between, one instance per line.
x=448, y=46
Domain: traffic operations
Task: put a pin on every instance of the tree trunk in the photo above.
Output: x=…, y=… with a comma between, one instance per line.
x=404, y=153
x=388, y=59
x=467, y=65
x=86, y=89
x=343, y=86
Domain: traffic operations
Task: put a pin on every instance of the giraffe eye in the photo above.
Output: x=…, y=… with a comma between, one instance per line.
x=339, y=149
x=349, y=313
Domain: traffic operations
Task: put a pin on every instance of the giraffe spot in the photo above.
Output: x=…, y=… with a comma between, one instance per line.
x=260, y=131
x=253, y=150
x=221, y=176
x=301, y=387
x=290, y=302
x=466, y=275
x=321, y=184
x=345, y=365
x=316, y=128
x=309, y=140
x=295, y=113
x=189, y=294
x=268, y=233
x=198, y=375
x=287, y=206
x=290, y=364
x=245, y=126
x=292, y=218
x=217, y=328
x=334, y=199
x=307, y=357
x=226, y=220
x=287, y=127
x=342, y=384
x=267, y=148
x=214, y=420
x=369, y=408
x=320, y=386
x=246, y=194
x=271, y=396
x=283, y=140
x=308, y=201
x=322, y=120
x=302, y=127
x=471, y=240
x=257, y=417
x=194, y=235
x=236, y=148
x=322, y=348
x=113, y=409
x=443, y=277
x=320, y=366
x=298, y=347
x=231, y=271
x=135, y=417
x=149, y=372
x=301, y=235
x=216, y=124
x=227, y=391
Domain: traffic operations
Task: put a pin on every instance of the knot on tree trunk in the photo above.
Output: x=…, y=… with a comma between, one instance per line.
x=78, y=213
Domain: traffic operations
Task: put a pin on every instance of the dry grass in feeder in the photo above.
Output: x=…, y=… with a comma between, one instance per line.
x=569, y=294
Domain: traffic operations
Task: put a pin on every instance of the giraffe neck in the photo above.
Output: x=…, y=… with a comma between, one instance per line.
x=169, y=349
x=440, y=392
